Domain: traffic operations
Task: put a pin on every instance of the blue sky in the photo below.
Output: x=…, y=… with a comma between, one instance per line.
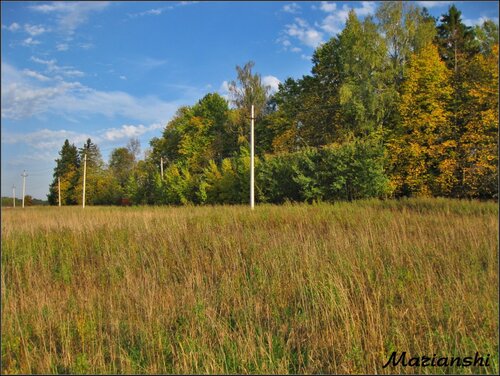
x=113, y=70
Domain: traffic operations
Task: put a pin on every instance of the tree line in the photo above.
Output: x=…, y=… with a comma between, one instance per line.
x=399, y=104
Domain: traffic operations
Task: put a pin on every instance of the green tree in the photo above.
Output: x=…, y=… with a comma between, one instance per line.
x=94, y=173
x=196, y=134
x=245, y=91
x=121, y=164
x=67, y=170
x=454, y=39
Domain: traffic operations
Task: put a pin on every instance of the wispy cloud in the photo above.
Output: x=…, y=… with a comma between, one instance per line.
x=28, y=42
x=34, y=74
x=327, y=6
x=45, y=138
x=151, y=12
x=311, y=36
x=86, y=46
x=151, y=63
x=14, y=26
x=71, y=15
x=434, y=4
x=35, y=30
x=128, y=131
x=51, y=140
x=23, y=99
x=478, y=21
x=292, y=8
x=224, y=90
x=161, y=10
x=334, y=22
x=62, y=47
x=305, y=33
x=53, y=68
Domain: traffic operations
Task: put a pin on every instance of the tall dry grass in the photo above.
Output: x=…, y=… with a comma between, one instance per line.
x=289, y=289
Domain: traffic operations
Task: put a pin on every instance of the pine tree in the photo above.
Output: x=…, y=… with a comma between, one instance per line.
x=67, y=170
x=94, y=173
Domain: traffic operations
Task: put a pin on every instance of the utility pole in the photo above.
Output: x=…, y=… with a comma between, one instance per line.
x=59, y=186
x=84, y=177
x=13, y=196
x=161, y=167
x=252, y=199
x=24, y=174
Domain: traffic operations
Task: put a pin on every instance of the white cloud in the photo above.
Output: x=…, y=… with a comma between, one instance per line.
x=151, y=63
x=367, y=8
x=151, y=12
x=34, y=30
x=224, y=87
x=434, y=4
x=478, y=21
x=73, y=73
x=154, y=12
x=34, y=74
x=23, y=99
x=296, y=49
x=86, y=46
x=304, y=33
x=71, y=15
x=272, y=82
x=183, y=3
x=327, y=7
x=30, y=42
x=335, y=21
x=291, y=8
x=45, y=138
x=159, y=11
x=123, y=77
x=53, y=68
x=14, y=26
x=62, y=47
x=224, y=90
x=128, y=131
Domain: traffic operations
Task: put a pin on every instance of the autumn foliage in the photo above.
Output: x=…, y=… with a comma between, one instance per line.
x=395, y=105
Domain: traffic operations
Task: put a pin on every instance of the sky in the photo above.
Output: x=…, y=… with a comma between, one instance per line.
x=110, y=71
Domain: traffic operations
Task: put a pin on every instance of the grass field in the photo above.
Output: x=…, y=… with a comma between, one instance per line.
x=288, y=289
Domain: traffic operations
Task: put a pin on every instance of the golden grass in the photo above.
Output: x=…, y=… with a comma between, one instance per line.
x=288, y=289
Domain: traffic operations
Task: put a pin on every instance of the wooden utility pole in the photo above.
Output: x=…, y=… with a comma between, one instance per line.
x=59, y=186
x=252, y=199
x=84, y=177
x=24, y=174
x=13, y=196
x=161, y=167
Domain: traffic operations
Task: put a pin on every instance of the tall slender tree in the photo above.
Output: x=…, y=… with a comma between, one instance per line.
x=67, y=171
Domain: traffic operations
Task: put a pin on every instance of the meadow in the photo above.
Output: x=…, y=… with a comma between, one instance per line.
x=326, y=288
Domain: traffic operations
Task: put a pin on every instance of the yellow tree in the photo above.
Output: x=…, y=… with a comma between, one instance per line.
x=479, y=143
x=422, y=153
